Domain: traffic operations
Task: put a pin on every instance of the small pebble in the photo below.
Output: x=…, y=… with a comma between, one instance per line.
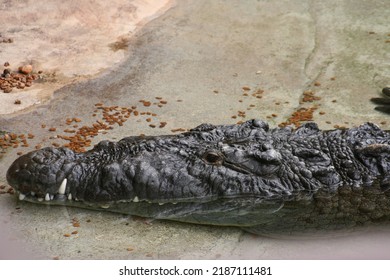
x=26, y=69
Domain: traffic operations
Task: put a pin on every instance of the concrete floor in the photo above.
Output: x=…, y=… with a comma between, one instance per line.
x=203, y=53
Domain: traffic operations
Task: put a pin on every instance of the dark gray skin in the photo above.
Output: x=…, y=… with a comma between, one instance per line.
x=263, y=180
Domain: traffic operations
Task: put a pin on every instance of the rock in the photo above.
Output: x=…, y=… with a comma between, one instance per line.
x=6, y=72
x=26, y=69
x=7, y=90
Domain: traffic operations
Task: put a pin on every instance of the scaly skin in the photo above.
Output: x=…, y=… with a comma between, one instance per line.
x=263, y=180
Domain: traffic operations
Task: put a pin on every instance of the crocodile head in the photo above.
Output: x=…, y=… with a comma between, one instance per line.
x=205, y=164
x=229, y=175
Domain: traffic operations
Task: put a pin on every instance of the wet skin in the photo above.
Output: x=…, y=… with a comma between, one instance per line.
x=263, y=180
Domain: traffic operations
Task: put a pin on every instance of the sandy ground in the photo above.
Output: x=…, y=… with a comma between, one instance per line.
x=67, y=40
x=209, y=61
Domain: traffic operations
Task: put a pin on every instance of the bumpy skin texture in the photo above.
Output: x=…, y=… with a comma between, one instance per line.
x=263, y=180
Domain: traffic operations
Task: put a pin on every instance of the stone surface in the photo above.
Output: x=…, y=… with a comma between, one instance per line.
x=198, y=57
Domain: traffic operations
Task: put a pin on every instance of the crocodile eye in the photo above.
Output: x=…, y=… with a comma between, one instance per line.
x=213, y=157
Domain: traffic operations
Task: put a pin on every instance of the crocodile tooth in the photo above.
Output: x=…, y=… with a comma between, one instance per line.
x=105, y=206
x=136, y=199
x=40, y=199
x=33, y=193
x=62, y=188
x=70, y=196
x=21, y=196
x=160, y=203
x=47, y=197
x=51, y=196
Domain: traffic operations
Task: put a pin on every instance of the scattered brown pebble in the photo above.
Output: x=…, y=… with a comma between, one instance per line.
x=17, y=102
x=309, y=96
x=147, y=103
x=334, y=100
x=215, y=91
x=383, y=122
x=26, y=69
x=333, y=78
x=75, y=232
x=11, y=191
x=130, y=249
x=30, y=136
x=67, y=235
x=148, y=119
x=43, y=125
x=162, y=124
x=6, y=64
x=39, y=146
x=163, y=102
x=246, y=88
x=317, y=84
x=88, y=221
x=19, y=153
x=322, y=113
x=52, y=129
x=56, y=258
x=76, y=224
x=152, y=125
x=178, y=130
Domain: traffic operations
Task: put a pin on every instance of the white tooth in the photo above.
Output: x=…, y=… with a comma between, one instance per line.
x=105, y=206
x=40, y=199
x=136, y=199
x=62, y=188
x=21, y=196
x=51, y=196
x=47, y=197
x=33, y=193
x=70, y=196
x=174, y=203
x=160, y=203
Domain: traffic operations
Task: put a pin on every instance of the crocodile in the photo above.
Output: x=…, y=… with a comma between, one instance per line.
x=261, y=179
